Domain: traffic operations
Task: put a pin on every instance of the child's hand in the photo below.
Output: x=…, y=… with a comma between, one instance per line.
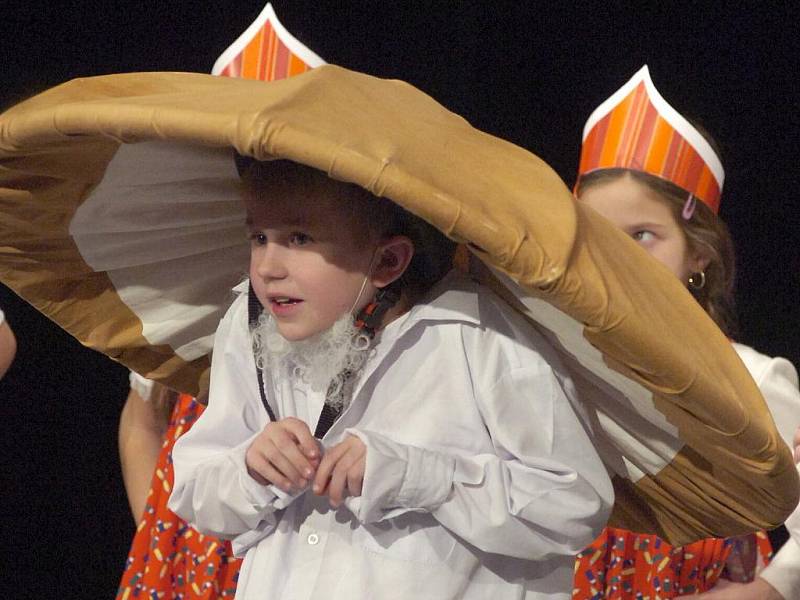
x=797, y=445
x=285, y=454
x=341, y=471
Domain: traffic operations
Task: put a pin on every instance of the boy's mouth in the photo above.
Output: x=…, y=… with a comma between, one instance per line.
x=284, y=301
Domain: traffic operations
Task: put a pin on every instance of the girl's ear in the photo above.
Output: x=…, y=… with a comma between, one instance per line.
x=698, y=261
x=394, y=256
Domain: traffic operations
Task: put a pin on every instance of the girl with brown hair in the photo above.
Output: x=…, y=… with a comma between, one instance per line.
x=655, y=176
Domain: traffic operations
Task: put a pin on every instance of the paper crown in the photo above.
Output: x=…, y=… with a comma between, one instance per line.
x=266, y=51
x=637, y=129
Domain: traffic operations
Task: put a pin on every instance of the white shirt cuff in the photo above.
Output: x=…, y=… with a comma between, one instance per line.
x=399, y=478
x=141, y=385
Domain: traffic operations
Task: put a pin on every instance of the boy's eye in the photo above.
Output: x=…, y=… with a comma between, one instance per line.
x=298, y=238
x=258, y=239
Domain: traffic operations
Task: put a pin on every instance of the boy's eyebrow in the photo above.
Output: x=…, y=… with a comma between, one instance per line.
x=298, y=220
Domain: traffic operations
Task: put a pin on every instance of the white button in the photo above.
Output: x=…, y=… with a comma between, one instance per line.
x=313, y=539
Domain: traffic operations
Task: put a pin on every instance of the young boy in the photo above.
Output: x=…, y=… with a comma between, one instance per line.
x=455, y=466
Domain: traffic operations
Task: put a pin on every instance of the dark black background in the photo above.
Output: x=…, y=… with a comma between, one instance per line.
x=529, y=72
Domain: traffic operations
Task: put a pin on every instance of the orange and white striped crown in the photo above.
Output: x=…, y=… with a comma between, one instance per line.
x=637, y=129
x=266, y=51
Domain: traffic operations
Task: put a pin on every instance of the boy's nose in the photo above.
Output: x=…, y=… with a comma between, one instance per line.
x=270, y=263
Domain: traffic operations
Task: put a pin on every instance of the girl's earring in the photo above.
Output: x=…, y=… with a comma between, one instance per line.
x=697, y=281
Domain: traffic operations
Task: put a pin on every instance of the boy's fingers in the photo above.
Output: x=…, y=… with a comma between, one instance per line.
x=291, y=451
x=305, y=439
x=355, y=478
x=283, y=465
x=325, y=468
x=356, y=468
x=270, y=474
x=346, y=477
x=337, y=483
x=281, y=440
x=254, y=469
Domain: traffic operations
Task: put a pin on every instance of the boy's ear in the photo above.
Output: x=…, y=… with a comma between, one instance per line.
x=393, y=257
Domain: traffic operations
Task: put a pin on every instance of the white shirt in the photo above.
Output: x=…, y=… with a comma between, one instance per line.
x=783, y=573
x=141, y=385
x=480, y=481
x=777, y=380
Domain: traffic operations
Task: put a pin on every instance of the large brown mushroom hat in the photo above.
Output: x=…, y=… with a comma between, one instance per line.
x=120, y=220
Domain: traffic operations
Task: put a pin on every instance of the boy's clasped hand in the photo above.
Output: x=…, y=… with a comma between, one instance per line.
x=287, y=455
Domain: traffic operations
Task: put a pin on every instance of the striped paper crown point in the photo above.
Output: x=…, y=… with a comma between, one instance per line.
x=266, y=51
x=637, y=129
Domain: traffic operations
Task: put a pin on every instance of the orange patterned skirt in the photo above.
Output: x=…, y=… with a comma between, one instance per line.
x=168, y=558
x=621, y=564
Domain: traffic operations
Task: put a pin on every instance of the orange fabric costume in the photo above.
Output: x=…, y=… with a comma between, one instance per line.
x=622, y=564
x=168, y=558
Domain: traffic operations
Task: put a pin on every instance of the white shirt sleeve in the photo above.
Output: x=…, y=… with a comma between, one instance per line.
x=793, y=524
x=141, y=385
x=212, y=489
x=777, y=380
x=779, y=385
x=2, y=316
x=544, y=492
x=776, y=377
x=783, y=573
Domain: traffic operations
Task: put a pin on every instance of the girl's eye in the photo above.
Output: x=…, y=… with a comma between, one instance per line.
x=258, y=239
x=643, y=236
x=300, y=239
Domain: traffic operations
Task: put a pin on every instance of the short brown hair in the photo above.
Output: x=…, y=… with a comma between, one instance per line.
x=705, y=234
x=379, y=217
